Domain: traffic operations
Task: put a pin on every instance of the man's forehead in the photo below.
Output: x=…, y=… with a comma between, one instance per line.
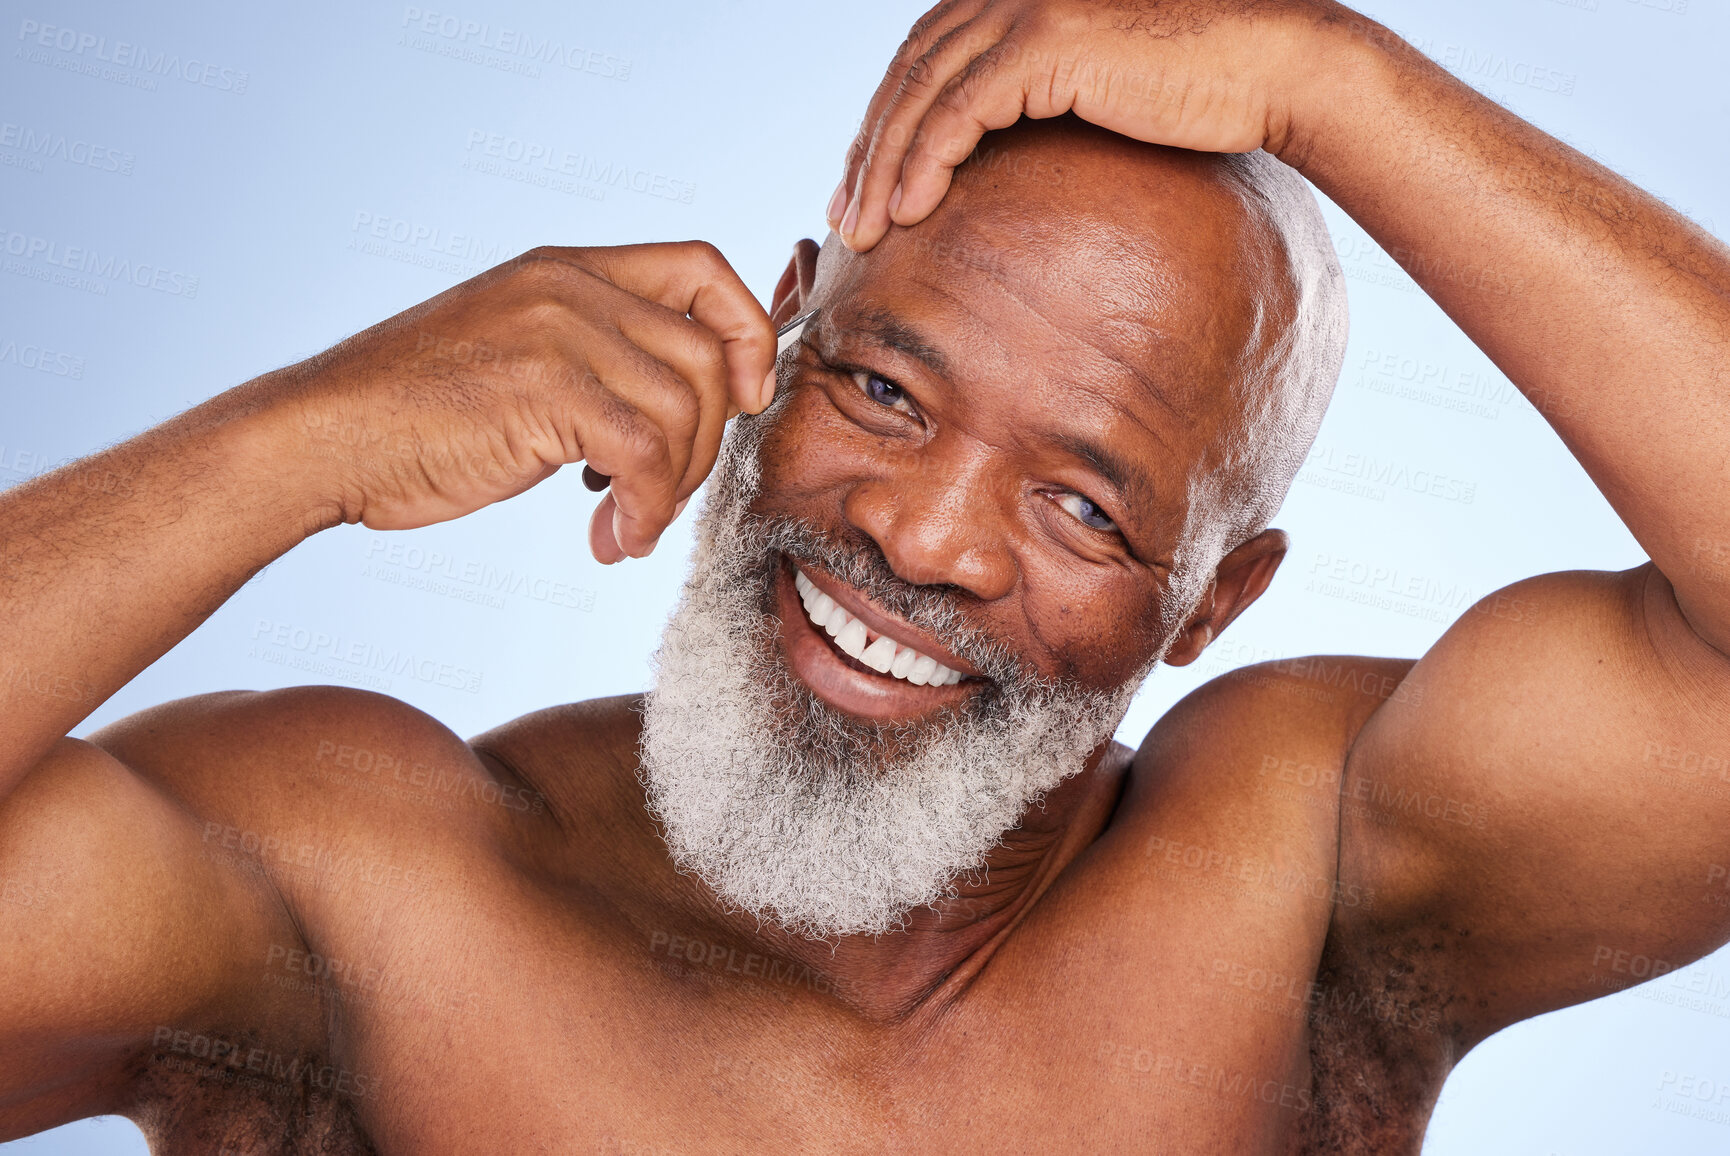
x=1105, y=316
x=1159, y=299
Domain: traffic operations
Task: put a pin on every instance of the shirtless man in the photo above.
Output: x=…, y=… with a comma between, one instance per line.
x=1032, y=437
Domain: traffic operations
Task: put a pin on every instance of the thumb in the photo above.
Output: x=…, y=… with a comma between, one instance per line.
x=603, y=533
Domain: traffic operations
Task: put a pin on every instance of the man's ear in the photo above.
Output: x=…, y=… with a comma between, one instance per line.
x=794, y=288
x=1239, y=580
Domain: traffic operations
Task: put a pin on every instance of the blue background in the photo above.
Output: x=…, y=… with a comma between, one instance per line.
x=738, y=114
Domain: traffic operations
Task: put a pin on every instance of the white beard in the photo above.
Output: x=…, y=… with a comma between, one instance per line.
x=802, y=815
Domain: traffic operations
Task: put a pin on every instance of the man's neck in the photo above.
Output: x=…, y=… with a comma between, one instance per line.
x=892, y=977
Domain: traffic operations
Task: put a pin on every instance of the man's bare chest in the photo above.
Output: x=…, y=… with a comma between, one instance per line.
x=1172, y=991
x=498, y=1027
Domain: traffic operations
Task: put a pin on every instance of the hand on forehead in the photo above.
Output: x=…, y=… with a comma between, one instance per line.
x=1090, y=272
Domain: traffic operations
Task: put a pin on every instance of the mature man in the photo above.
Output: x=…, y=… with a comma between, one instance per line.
x=865, y=871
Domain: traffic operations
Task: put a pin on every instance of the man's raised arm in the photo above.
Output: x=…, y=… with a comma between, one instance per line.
x=1607, y=309
x=628, y=358
x=1573, y=717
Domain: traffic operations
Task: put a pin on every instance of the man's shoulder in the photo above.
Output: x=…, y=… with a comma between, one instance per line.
x=580, y=758
x=324, y=761
x=577, y=757
x=1264, y=732
x=570, y=733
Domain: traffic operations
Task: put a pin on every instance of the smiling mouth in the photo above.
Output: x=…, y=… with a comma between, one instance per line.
x=867, y=649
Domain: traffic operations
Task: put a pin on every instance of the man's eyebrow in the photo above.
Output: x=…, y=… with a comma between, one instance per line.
x=1129, y=478
x=893, y=333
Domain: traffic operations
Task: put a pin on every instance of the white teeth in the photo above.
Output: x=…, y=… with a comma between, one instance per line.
x=880, y=655
x=884, y=655
x=851, y=640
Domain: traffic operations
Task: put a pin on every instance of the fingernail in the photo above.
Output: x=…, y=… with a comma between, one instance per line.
x=837, y=203
x=680, y=508
x=851, y=220
x=895, y=200
x=619, y=533
x=768, y=393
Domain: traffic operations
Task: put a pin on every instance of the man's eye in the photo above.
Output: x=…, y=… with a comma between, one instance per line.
x=880, y=391
x=1086, y=512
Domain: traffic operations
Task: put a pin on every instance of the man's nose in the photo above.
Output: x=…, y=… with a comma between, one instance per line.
x=940, y=523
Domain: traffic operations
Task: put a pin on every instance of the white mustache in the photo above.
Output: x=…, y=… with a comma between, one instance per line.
x=798, y=813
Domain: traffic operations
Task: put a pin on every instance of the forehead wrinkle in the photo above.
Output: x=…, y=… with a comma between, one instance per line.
x=1144, y=382
x=1144, y=292
x=1017, y=288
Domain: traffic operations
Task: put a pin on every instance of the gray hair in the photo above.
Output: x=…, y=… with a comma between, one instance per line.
x=1256, y=467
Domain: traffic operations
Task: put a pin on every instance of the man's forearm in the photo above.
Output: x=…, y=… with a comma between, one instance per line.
x=107, y=563
x=462, y=401
x=1607, y=309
